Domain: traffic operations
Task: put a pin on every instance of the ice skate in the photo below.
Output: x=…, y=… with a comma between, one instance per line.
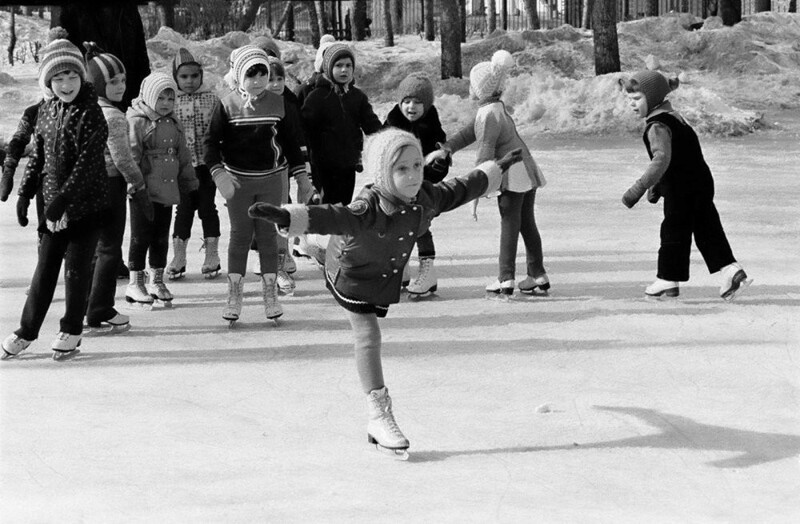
x=119, y=323
x=233, y=308
x=13, y=345
x=176, y=269
x=662, y=288
x=156, y=287
x=211, y=267
x=65, y=346
x=498, y=289
x=272, y=308
x=425, y=283
x=535, y=285
x=285, y=281
x=734, y=281
x=382, y=429
x=136, y=293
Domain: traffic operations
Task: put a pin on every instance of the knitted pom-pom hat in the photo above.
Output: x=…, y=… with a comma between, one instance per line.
x=184, y=57
x=381, y=152
x=58, y=56
x=153, y=85
x=652, y=84
x=324, y=42
x=101, y=67
x=487, y=78
x=416, y=85
x=332, y=54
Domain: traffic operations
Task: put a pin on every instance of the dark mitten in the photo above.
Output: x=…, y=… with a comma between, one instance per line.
x=509, y=159
x=55, y=210
x=277, y=215
x=634, y=194
x=437, y=170
x=654, y=194
x=142, y=200
x=22, y=210
x=6, y=183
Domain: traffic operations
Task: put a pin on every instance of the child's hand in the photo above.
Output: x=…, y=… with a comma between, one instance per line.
x=653, y=194
x=226, y=183
x=277, y=215
x=22, y=210
x=55, y=210
x=6, y=183
x=510, y=158
x=440, y=155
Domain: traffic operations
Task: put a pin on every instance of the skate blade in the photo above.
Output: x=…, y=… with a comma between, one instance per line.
x=211, y=275
x=9, y=356
x=420, y=296
x=733, y=293
x=397, y=454
x=103, y=331
x=499, y=297
x=61, y=356
x=176, y=276
x=163, y=304
x=536, y=292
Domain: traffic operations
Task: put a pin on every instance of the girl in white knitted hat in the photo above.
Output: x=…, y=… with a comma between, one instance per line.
x=372, y=239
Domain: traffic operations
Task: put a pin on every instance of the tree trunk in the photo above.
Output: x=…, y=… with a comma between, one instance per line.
x=360, y=19
x=430, y=24
x=388, y=39
x=793, y=6
x=588, y=8
x=12, y=42
x=321, y=25
x=462, y=13
x=651, y=8
x=290, y=22
x=504, y=14
x=491, y=23
x=760, y=6
x=730, y=11
x=606, y=45
x=533, y=14
x=397, y=17
x=27, y=10
x=282, y=20
x=450, y=34
x=313, y=22
x=250, y=12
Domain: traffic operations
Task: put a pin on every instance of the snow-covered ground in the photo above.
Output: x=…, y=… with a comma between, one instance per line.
x=592, y=404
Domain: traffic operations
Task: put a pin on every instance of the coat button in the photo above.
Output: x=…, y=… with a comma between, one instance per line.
x=384, y=275
x=394, y=271
x=401, y=238
x=414, y=208
x=405, y=255
x=392, y=259
x=411, y=233
x=403, y=212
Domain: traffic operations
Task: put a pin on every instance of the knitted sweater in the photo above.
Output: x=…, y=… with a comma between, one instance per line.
x=118, y=156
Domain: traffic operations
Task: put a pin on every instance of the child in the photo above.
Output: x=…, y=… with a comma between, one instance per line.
x=16, y=147
x=496, y=133
x=159, y=147
x=107, y=74
x=194, y=103
x=416, y=114
x=68, y=165
x=373, y=238
x=334, y=115
x=679, y=173
x=302, y=90
x=250, y=145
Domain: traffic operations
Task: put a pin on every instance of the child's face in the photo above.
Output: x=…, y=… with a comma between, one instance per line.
x=256, y=84
x=189, y=77
x=342, y=70
x=406, y=175
x=412, y=108
x=115, y=88
x=276, y=84
x=165, y=103
x=638, y=103
x=66, y=85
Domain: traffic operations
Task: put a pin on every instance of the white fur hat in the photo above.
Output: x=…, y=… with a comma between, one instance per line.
x=487, y=78
x=381, y=151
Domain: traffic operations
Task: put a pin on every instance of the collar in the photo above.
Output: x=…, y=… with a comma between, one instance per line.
x=663, y=107
x=390, y=204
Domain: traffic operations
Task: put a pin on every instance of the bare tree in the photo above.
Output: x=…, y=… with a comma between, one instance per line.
x=651, y=8
x=450, y=32
x=588, y=8
x=360, y=19
x=287, y=11
x=606, y=44
x=321, y=25
x=793, y=6
x=430, y=29
x=462, y=13
x=730, y=11
x=491, y=23
x=313, y=22
x=12, y=43
x=533, y=15
x=251, y=8
x=388, y=39
x=397, y=16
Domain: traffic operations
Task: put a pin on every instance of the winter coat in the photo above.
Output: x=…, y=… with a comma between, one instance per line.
x=118, y=156
x=193, y=111
x=427, y=129
x=68, y=158
x=335, y=122
x=159, y=147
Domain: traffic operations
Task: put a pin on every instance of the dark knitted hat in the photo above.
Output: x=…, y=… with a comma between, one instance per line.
x=184, y=57
x=101, y=67
x=268, y=45
x=332, y=54
x=417, y=86
x=652, y=84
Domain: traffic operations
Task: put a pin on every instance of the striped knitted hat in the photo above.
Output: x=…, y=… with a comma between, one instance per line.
x=58, y=56
x=153, y=85
x=332, y=54
x=488, y=78
x=101, y=67
x=381, y=152
x=184, y=57
x=246, y=57
x=324, y=42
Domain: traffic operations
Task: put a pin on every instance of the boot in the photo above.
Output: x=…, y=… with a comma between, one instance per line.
x=177, y=267
x=157, y=289
x=533, y=285
x=734, y=281
x=382, y=428
x=272, y=307
x=211, y=267
x=136, y=292
x=506, y=287
x=235, y=296
x=426, y=279
x=662, y=287
x=13, y=345
x=65, y=346
x=285, y=281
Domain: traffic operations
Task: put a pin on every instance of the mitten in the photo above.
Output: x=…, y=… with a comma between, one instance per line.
x=141, y=199
x=443, y=155
x=305, y=191
x=6, y=183
x=634, y=194
x=55, y=210
x=226, y=183
x=653, y=194
x=277, y=215
x=509, y=159
x=22, y=210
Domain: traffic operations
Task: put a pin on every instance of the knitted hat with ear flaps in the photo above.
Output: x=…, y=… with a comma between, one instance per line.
x=652, y=84
x=416, y=86
x=332, y=54
x=184, y=57
x=381, y=152
x=324, y=42
x=246, y=57
x=101, y=67
x=153, y=85
x=487, y=78
x=58, y=56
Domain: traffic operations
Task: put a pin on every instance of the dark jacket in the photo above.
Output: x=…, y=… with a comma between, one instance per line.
x=427, y=129
x=335, y=123
x=687, y=171
x=68, y=158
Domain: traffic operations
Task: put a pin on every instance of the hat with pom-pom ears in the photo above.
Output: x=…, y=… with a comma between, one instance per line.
x=487, y=78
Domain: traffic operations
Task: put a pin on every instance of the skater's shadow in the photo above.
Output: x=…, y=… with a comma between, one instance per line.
x=675, y=432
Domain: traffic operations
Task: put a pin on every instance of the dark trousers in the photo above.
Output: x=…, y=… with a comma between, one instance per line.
x=516, y=217
x=203, y=204
x=686, y=214
x=75, y=246
x=152, y=237
x=425, y=246
x=108, y=255
x=336, y=186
